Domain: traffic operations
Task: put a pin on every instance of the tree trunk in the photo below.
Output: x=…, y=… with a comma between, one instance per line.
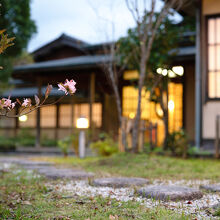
x=165, y=120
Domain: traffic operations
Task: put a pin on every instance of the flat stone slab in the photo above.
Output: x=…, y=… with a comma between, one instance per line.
x=55, y=173
x=24, y=162
x=213, y=188
x=173, y=193
x=119, y=182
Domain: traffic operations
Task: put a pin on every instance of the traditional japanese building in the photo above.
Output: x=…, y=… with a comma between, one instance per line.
x=194, y=93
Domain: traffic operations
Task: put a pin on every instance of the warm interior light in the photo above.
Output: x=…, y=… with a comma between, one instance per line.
x=131, y=115
x=164, y=72
x=159, y=70
x=23, y=118
x=159, y=110
x=171, y=105
x=179, y=70
x=82, y=123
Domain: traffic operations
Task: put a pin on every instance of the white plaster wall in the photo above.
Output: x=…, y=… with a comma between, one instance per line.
x=210, y=111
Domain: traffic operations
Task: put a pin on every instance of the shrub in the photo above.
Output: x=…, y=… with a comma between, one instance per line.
x=64, y=145
x=105, y=146
x=7, y=144
x=25, y=138
x=177, y=143
x=48, y=142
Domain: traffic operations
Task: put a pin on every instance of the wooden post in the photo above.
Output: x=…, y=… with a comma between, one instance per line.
x=91, y=101
x=72, y=116
x=217, y=136
x=57, y=121
x=38, y=133
x=141, y=136
x=16, y=123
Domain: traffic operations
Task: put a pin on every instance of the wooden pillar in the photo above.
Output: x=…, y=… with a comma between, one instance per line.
x=217, y=122
x=16, y=123
x=38, y=128
x=57, y=121
x=91, y=101
x=72, y=115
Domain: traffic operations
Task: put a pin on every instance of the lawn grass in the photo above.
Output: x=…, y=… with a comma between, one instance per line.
x=143, y=165
x=23, y=196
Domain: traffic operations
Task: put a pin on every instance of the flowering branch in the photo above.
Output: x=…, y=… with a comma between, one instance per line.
x=6, y=104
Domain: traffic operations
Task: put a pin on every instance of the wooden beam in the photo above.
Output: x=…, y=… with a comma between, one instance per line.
x=38, y=128
x=57, y=121
x=72, y=114
x=91, y=101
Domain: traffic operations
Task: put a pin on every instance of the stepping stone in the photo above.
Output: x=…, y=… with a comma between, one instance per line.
x=213, y=188
x=119, y=182
x=173, y=193
x=24, y=162
x=55, y=173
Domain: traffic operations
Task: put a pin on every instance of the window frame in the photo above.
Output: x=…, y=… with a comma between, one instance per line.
x=207, y=98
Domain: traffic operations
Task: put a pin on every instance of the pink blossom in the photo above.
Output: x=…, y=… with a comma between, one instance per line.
x=70, y=85
x=7, y=103
x=26, y=102
x=62, y=88
x=13, y=105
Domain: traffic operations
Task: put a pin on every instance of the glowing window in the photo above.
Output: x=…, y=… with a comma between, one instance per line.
x=7, y=122
x=30, y=120
x=151, y=112
x=80, y=110
x=48, y=116
x=214, y=57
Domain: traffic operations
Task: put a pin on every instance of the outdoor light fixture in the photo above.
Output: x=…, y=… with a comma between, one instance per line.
x=82, y=123
x=164, y=72
x=171, y=105
x=179, y=70
x=171, y=74
x=159, y=70
x=23, y=118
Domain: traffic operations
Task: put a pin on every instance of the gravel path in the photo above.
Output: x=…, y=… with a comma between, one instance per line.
x=199, y=208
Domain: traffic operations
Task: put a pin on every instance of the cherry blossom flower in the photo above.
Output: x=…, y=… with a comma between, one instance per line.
x=13, y=105
x=7, y=103
x=26, y=103
x=68, y=87
x=62, y=88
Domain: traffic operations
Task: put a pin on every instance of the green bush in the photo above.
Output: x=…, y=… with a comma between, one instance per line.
x=7, y=144
x=25, y=138
x=195, y=152
x=105, y=146
x=64, y=145
x=48, y=142
x=177, y=143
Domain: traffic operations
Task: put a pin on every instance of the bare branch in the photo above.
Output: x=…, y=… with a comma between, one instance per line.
x=30, y=110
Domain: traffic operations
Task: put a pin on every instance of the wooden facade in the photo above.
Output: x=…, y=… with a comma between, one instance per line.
x=70, y=58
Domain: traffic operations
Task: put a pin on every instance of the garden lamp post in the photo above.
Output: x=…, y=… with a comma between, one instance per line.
x=82, y=123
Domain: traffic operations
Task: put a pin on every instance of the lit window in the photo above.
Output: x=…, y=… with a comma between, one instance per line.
x=48, y=116
x=7, y=122
x=28, y=121
x=150, y=111
x=80, y=110
x=65, y=113
x=214, y=58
